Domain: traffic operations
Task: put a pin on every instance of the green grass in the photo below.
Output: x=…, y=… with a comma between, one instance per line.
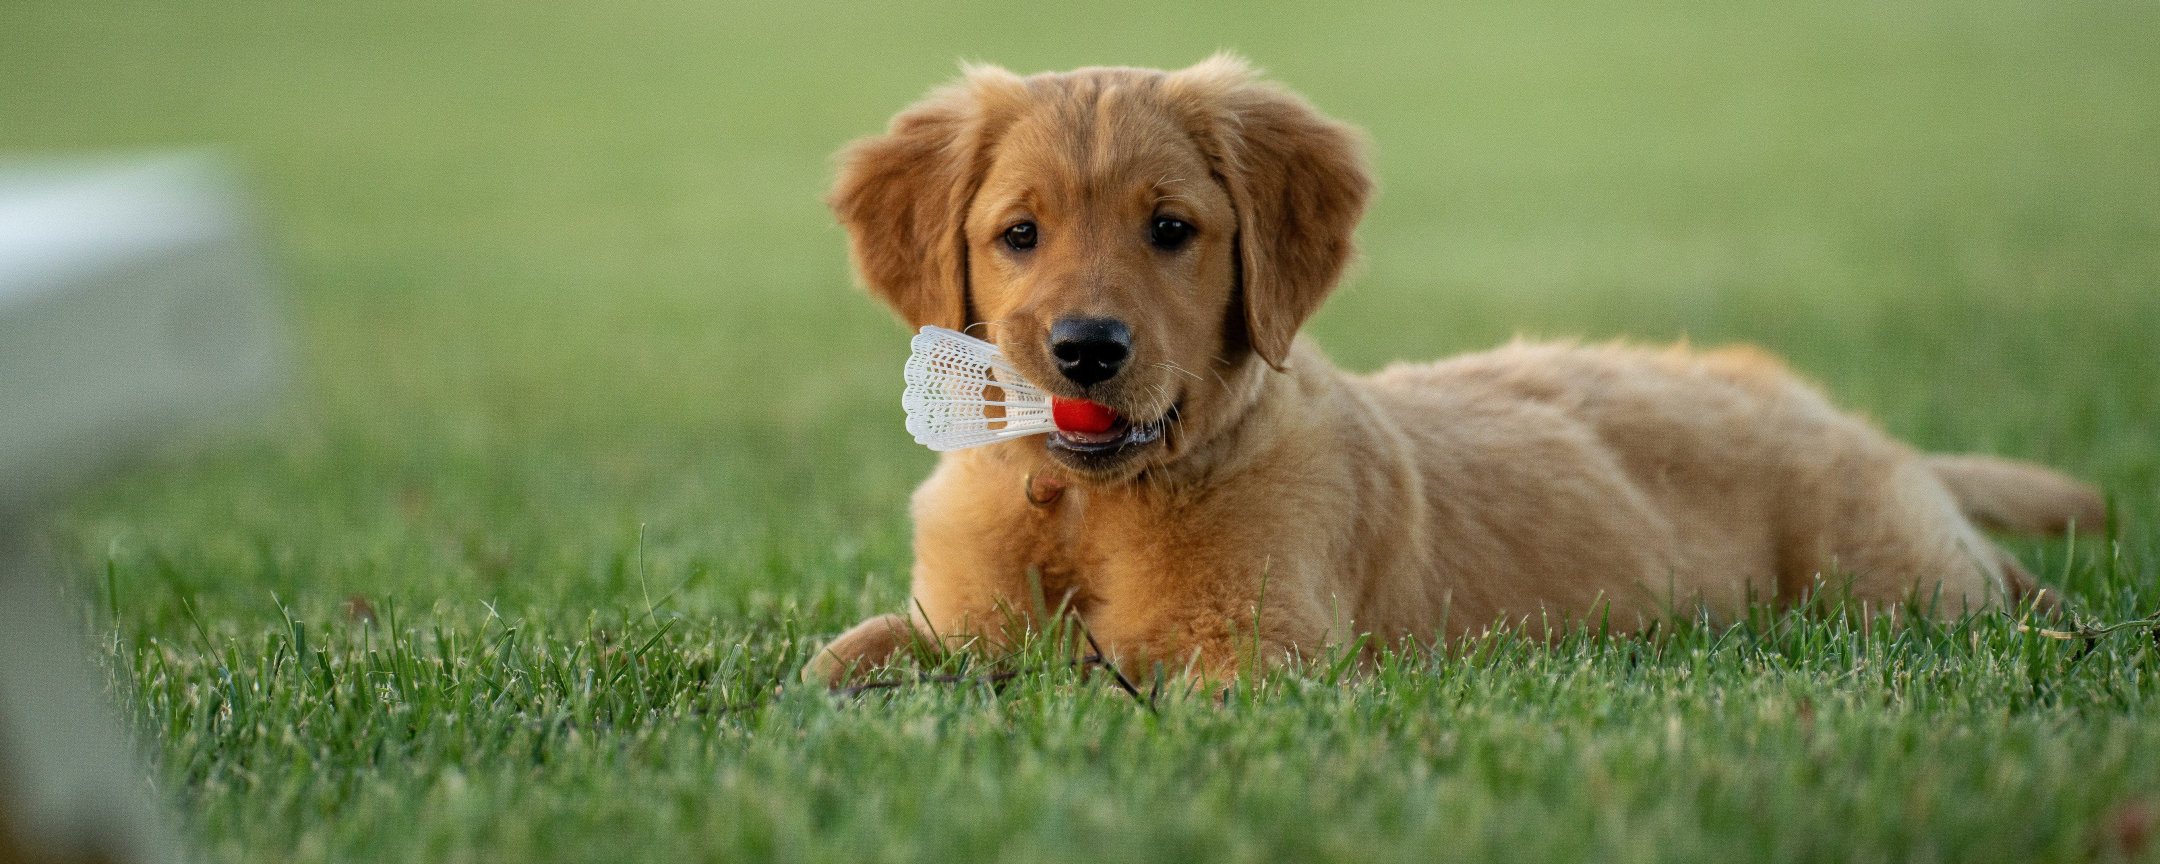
x=587, y=412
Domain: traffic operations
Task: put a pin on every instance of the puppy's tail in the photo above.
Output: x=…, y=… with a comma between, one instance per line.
x=2019, y=497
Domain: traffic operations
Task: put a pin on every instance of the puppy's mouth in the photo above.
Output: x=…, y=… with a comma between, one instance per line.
x=1124, y=433
x=1101, y=448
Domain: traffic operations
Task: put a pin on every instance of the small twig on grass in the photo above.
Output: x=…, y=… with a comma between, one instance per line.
x=2093, y=632
x=2090, y=635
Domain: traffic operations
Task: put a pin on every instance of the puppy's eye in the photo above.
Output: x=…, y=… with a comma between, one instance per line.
x=1168, y=234
x=1021, y=236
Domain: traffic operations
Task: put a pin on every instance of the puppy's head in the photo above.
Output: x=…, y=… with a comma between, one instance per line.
x=1151, y=241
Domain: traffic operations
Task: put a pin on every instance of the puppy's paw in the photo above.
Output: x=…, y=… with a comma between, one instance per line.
x=863, y=647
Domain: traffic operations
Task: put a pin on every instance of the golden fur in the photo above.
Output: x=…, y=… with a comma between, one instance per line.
x=1533, y=484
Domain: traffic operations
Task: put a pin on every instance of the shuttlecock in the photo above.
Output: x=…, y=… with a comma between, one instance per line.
x=961, y=393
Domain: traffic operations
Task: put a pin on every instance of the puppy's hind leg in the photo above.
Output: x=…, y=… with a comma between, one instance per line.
x=1900, y=537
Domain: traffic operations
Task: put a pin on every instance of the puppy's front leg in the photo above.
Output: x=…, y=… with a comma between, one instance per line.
x=977, y=541
x=954, y=608
x=1217, y=622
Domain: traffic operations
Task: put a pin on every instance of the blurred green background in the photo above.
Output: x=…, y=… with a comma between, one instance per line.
x=577, y=340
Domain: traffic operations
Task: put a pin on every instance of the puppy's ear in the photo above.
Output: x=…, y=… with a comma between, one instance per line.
x=902, y=196
x=1299, y=184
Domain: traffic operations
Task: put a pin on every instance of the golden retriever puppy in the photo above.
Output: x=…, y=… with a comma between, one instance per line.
x=1152, y=241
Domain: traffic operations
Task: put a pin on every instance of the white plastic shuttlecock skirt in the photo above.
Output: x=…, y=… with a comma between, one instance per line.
x=961, y=393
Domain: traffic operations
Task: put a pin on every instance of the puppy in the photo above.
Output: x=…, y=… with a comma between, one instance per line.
x=1152, y=241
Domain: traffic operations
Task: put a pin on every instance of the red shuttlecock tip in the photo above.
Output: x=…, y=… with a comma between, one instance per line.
x=1080, y=415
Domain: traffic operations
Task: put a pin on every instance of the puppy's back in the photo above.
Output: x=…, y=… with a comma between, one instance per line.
x=1713, y=462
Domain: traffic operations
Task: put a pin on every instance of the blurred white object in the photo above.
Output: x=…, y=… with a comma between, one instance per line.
x=133, y=302
x=961, y=393
x=131, y=298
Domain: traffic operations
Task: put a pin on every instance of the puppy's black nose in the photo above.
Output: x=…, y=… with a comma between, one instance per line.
x=1090, y=350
